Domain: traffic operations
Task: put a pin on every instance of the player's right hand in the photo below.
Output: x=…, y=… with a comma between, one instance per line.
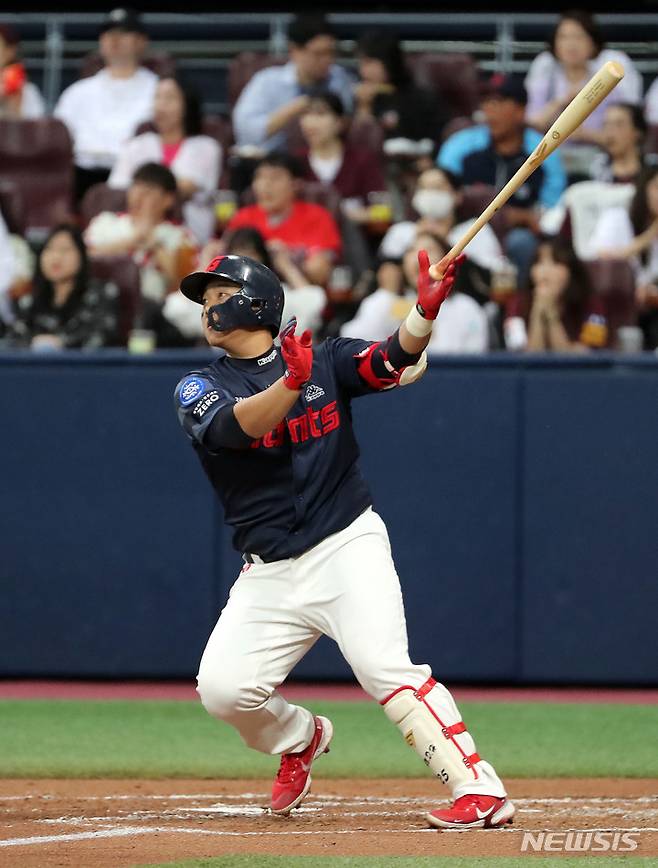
x=297, y=354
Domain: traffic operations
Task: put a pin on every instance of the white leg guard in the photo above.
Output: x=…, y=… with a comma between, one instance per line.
x=431, y=724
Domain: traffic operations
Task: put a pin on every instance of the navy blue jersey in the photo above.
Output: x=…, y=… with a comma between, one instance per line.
x=288, y=490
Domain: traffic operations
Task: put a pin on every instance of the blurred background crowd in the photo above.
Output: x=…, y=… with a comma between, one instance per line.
x=334, y=168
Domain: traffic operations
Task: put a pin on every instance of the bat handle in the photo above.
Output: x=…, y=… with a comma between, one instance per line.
x=438, y=270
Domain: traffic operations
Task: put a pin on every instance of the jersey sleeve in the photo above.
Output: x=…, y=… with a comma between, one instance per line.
x=363, y=367
x=198, y=398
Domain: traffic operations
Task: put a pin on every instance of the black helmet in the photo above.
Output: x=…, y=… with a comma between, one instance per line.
x=258, y=303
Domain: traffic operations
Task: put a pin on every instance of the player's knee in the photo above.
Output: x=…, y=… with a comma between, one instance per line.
x=224, y=697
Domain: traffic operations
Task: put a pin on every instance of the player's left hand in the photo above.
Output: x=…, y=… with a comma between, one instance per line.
x=297, y=353
x=432, y=293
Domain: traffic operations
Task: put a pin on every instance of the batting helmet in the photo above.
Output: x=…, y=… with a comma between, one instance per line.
x=257, y=304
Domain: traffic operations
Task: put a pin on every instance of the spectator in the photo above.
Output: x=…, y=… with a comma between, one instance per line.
x=461, y=326
x=387, y=92
x=355, y=172
x=555, y=76
x=19, y=98
x=492, y=152
x=66, y=309
x=280, y=94
x=436, y=200
x=308, y=231
x=633, y=235
x=561, y=313
x=160, y=247
x=623, y=134
x=103, y=111
x=178, y=144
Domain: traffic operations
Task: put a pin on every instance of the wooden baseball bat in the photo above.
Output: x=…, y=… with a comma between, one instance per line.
x=580, y=107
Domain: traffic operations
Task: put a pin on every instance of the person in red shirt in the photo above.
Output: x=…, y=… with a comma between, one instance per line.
x=309, y=231
x=562, y=311
x=354, y=171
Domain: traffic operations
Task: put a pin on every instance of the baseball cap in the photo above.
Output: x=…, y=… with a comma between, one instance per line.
x=506, y=87
x=124, y=19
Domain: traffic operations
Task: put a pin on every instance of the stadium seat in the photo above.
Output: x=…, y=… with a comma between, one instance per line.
x=454, y=77
x=37, y=156
x=123, y=271
x=160, y=62
x=614, y=281
x=243, y=66
x=101, y=198
x=475, y=199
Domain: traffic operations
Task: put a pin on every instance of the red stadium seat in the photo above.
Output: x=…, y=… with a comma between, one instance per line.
x=37, y=156
x=160, y=62
x=454, y=77
x=242, y=68
x=123, y=271
x=101, y=198
x=475, y=199
x=614, y=281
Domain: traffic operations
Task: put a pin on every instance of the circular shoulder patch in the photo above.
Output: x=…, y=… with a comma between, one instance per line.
x=190, y=390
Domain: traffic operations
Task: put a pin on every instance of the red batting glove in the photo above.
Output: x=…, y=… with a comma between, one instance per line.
x=298, y=355
x=432, y=293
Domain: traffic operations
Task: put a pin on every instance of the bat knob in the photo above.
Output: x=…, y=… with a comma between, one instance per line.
x=437, y=271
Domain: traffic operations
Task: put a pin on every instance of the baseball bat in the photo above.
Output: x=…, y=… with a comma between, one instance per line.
x=580, y=107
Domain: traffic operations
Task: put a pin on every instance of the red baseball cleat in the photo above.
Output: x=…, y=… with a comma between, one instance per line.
x=473, y=812
x=293, y=780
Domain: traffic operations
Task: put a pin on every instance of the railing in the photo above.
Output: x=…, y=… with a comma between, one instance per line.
x=54, y=43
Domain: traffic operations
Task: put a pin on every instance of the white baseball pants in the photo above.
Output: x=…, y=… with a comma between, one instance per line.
x=346, y=587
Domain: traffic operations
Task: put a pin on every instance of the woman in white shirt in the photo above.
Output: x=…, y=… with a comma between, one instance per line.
x=177, y=143
x=461, y=326
x=555, y=76
x=633, y=235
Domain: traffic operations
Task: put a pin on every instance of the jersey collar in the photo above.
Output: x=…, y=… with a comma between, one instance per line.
x=260, y=363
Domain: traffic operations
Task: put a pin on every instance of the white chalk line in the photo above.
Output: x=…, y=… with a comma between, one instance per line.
x=126, y=831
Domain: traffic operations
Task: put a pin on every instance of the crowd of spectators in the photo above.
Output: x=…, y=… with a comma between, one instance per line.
x=335, y=177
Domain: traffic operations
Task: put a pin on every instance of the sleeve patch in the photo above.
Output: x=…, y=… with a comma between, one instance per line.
x=202, y=406
x=191, y=388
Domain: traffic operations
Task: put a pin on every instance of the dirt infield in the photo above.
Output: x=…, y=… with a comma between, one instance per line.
x=102, y=823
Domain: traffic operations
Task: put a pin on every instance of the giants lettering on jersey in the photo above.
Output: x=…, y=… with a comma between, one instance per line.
x=312, y=423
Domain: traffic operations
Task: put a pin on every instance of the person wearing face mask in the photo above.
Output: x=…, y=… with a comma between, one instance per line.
x=461, y=326
x=435, y=201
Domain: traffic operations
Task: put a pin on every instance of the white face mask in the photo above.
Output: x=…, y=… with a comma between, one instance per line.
x=434, y=204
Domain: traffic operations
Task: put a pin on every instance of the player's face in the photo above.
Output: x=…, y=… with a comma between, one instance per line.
x=118, y=47
x=314, y=59
x=573, y=45
x=169, y=105
x=60, y=258
x=218, y=292
x=274, y=188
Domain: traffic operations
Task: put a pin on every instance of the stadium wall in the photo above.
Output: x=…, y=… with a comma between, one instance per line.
x=520, y=496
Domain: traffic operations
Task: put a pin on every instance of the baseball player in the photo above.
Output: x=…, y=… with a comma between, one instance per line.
x=272, y=427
